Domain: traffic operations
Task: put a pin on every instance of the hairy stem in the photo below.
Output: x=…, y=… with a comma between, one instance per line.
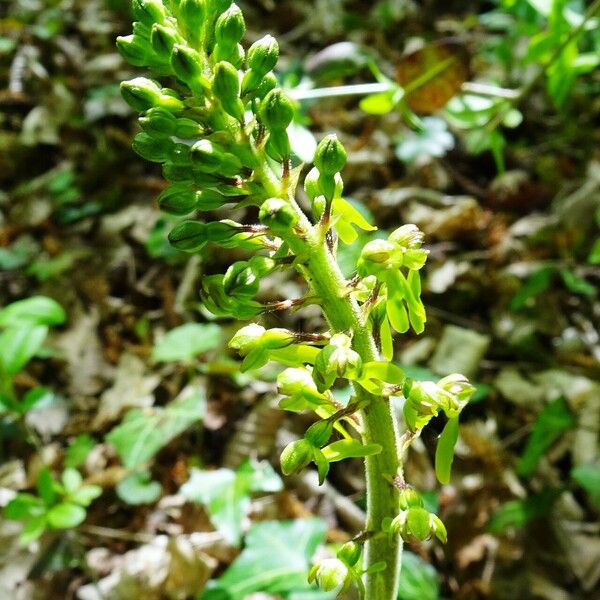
x=327, y=283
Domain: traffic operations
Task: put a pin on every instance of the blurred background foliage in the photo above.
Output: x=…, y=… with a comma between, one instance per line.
x=134, y=395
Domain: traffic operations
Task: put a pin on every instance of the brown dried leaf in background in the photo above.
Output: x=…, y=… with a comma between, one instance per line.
x=432, y=75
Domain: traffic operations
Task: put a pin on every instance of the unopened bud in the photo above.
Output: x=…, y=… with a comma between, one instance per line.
x=409, y=497
x=226, y=87
x=230, y=27
x=278, y=215
x=330, y=156
x=151, y=148
x=191, y=14
x=187, y=64
x=276, y=110
x=159, y=122
x=263, y=54
x=134, y=49
x=349, y=553
x=296, y=456
x=329, y=574
x=247, y=338
x=177, y=200
x=148, y=11
x=163, y=39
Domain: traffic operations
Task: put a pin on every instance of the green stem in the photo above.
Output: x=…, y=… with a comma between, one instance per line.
x=327, y=283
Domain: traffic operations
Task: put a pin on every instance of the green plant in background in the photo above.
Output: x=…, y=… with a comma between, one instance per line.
x=219, y=129
x=24, y=326
x=57, y=505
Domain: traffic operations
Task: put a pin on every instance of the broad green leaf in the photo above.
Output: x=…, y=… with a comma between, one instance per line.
x=33, y=529
x=588, y=477
x=187, y=341
x=66, y=515
x=226, y=494
x=419, y=580
x=37, y=310
x=349, y=448
x=19, y=344
x=551, y=423
x=71, y=480
x=24, y=507
x=144, y=432
x=444, y=452
x=275, y=560
x=139, y=488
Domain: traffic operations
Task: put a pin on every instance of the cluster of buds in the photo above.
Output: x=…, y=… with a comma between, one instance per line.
x=338, y=573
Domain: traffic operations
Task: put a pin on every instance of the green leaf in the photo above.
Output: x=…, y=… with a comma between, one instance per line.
x=144, y=432
x=577, y=284
x=349, y=448
x=85, y=495
x=24, y=507
x=535, y=285
x=66, y=515
x=79, y=450
x=419, y=579
x=551, y=423
x=275, y=560
x=33, y=529
x=444, y=452
x=139, y=488
x=37, y=310
x=47, y=486
x=588, y=477
x=226, y=494
x=71, y=480
x=187, y=341
x=19, y=344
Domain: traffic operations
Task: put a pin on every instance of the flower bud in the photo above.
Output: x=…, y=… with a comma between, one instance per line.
x=148, y=11
x=294, y=380
x=140, y=93
x=247, y=338
x=206, y=156
x=276, y=110
x=318, y=433
x=278, y=215
x=408, y=236
x=330, y=156
x=230, y=27
x=209, y=200
x=163, y=39
x=267, y=83
x=191, y=14
x=186, y=64
x=329, y=574
x=226, y=87
x=350, y=553
x=296, y=456
x=134, y=49
x=158, y=122
x=263, y=54
x=188, y=128
x=177, y=200
x=189, y=236
x=409, y=497
x=152, y=149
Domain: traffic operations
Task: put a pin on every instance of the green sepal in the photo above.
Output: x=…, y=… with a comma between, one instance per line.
x=148, y=11
x=134, y=49
x=163, y=39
